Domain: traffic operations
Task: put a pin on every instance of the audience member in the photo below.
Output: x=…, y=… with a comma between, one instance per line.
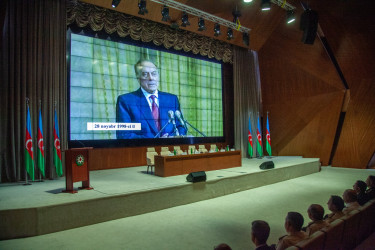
x=316, y=213
x=350, y=199
x=370, y=181
x=360, y=188
x=293, y=225
x=335, y=205
x=260, y=230
x=222, y=246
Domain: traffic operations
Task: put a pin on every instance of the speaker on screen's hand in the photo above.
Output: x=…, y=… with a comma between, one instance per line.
x=171, y=117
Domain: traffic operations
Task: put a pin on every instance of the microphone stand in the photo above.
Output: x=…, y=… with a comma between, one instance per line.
x=188, y=123
x=157, y=135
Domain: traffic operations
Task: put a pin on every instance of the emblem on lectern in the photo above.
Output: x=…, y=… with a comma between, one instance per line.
x=80, y=160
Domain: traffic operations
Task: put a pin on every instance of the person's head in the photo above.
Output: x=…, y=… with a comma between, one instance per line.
x=315, y=212
x=222, y=246
x=260, y=230
x=148, y=75
x=349, y=196
x=360, y=186
x=336, y=203
x=293, y=222
x=370, y=181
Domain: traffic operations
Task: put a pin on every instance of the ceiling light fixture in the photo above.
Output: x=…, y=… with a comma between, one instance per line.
x=290, y=16
x=115, y=3
x=142, y=7
x=247, y=1
x=229, y=34
x=266, y=5
x=185, y=19
x=201, y=25
x=165, y=14
x=217, y=30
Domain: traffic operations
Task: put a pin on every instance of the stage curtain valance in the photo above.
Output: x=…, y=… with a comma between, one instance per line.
x=102, y=19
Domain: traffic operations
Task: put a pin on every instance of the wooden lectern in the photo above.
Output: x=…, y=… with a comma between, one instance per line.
x=76, y=168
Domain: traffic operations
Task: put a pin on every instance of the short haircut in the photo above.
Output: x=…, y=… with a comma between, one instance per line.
x=222, y=246
x=295, y=219
x=338, y=202
x=316, y=211
x=362, y=186
x=351, y=195
x=372, y=180
x=261, y=230
x=137, y=66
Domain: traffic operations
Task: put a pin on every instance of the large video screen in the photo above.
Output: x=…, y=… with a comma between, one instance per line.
x=124, y=91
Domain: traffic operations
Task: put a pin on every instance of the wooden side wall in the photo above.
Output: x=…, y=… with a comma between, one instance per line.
x=305, y=95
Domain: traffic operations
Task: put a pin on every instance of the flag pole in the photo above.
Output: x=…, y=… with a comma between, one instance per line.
x=40, y=172
x=26, y=177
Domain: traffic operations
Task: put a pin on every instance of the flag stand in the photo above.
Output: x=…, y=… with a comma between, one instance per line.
x=26, y=180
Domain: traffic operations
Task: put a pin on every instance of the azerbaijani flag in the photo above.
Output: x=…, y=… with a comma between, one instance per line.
x=259, y=143
x=56, y=149
x=250, y=138
x=40, y=145
x=29, y=158
x=268, y=136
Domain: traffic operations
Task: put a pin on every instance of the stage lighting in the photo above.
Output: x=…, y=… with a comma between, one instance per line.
x=247, y=1
x=115, y=3
x=290, y=16
x=266, y=5
x=165, y=14
x=201, y=25
x=142, y=7
x=185, y=19
x=245, y=39
x=217, y=30
x=229, y=34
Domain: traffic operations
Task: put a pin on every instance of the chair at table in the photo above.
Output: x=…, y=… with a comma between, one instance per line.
x=191, y=149
x=164, y=149
x=213, y=148
x=151, y=160
x=334, y=234
x=151, y=149
x=314, y=242
x=178, y=150
x=202, y=149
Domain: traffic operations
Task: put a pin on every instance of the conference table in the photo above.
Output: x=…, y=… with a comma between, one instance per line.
x=185, y=164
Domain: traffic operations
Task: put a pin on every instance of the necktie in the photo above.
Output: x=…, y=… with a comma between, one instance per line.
x=155, y=112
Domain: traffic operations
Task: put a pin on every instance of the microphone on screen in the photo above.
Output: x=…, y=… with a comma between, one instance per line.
x=172, y=119
x=179, y=117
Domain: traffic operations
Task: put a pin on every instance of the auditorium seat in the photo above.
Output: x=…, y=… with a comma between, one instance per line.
x=333, y=234
x=151, y=160
x=367, y=221
x=191, y=149
x=202, y=149
x=351, y=225
x=314, y=242
x=151, y=149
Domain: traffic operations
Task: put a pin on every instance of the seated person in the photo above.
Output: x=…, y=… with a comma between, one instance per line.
x=260, y=230
x=293, y=225
x=370, y=181
x=335, y=205
x=316, y=213
x=350, y=199
x=360, y=188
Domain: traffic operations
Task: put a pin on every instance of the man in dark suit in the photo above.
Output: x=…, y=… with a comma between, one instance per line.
x=148, y=106
x=260, y=230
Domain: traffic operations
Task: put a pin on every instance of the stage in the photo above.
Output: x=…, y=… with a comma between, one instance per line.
x=42, y=208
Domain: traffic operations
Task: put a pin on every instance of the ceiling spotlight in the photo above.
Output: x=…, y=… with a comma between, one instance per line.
x=245, y=39
x=247, y=1
x=201, y=25
x=185, y=19
x=266, y=5
x=229, y=34
x=217, y=30
x=115, y=3
x=290, y=16
x=142, y=7
x=165, y=14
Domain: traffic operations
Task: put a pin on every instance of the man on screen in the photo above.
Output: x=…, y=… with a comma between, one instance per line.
x=155, y=110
